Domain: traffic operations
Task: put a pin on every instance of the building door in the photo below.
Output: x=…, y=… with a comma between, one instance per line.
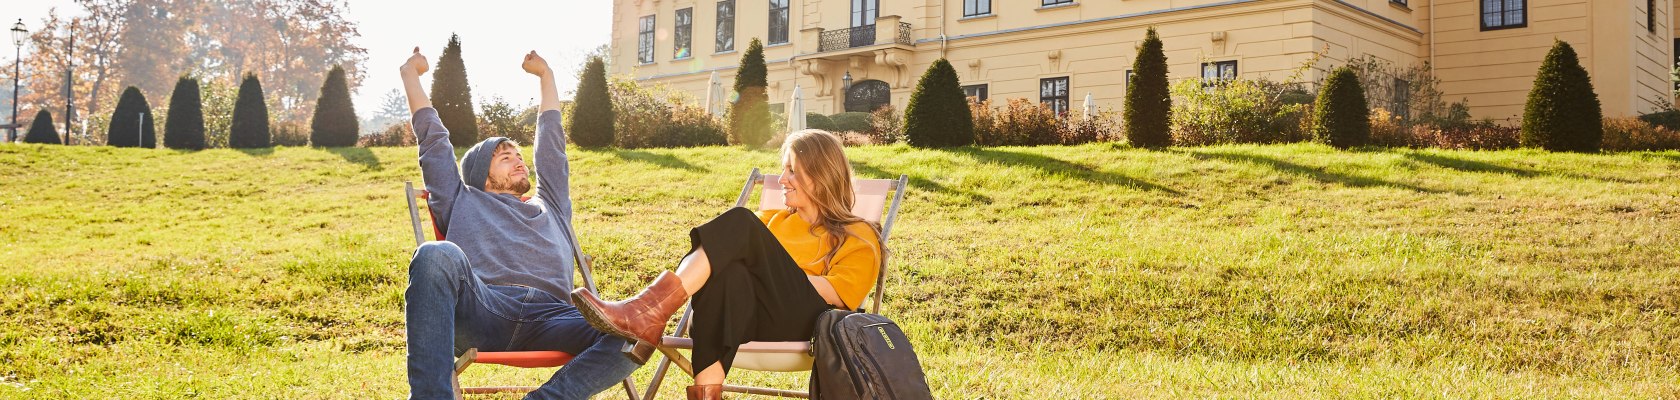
x=864, y=13
x=868, y=95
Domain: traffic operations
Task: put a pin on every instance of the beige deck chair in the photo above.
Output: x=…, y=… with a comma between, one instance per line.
x=872, y=201
x=520, y=359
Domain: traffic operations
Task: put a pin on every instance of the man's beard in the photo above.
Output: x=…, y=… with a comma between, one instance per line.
x=518, y=186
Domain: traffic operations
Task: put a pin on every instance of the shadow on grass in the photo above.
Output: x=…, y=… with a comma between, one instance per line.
x=1459, y=164
x=359, y=155
x=1316, y=173
x=260, y=151
x=920, y=183
x=1053, y=166
x=662, y=160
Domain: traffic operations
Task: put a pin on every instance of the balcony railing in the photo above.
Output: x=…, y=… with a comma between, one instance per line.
x=861, y=36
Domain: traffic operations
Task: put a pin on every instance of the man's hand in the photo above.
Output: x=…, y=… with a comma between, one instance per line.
x=411, y=71
x=415, y=64
x=535, y=64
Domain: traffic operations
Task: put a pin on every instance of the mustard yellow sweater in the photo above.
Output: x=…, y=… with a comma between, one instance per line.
x=854, y=266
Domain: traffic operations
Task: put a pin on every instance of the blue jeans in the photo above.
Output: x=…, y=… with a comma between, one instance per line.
x=450, y=310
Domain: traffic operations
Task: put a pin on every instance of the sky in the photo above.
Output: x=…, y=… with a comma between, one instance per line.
x=495, y=35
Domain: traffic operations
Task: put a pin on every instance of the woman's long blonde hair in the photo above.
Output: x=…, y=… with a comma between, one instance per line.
x=822, y=159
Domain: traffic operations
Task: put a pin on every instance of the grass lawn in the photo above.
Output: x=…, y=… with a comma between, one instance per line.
x=1292, y=271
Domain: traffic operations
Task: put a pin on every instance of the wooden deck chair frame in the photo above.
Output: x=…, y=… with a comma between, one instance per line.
x=521, y=359
x=785, y=356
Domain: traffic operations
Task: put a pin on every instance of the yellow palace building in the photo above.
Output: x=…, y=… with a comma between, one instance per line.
x=1059, y=51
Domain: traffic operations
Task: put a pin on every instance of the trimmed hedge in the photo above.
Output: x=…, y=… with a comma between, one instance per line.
x=938, y=115
x=41, y=130
x=250, y=116
x=860, y=122
x=1341, y=117
x=184, y=129
x=132, y=123
x=335, y=123
x=819, y=121
x=1148, y=110
x=1563, y=112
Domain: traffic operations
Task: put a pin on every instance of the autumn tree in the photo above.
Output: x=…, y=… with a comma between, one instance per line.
x=92, y=38
x=147, y=43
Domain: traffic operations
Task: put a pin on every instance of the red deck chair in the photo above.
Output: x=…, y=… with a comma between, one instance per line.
x=521, y=359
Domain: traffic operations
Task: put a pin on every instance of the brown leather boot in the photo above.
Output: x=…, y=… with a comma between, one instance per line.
x=639, y=318
x=705, y=392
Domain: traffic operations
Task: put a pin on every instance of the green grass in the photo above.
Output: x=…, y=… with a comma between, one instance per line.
x=1289, y=271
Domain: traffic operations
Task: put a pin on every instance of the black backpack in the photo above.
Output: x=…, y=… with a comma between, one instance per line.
x=864, y=356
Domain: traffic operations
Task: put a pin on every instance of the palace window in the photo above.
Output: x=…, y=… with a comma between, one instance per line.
x=975, y=8
x=685, y=34
x=1504, y=14
x=778, y=21
x=644, y=40
x=1053, y=93
x=725, y=26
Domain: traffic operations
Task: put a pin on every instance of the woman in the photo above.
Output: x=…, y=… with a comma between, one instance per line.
x=759, y=279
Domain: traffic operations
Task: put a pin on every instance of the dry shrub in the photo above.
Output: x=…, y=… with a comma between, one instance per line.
x=1022, y=122
x=886, y=126
x=1389, y=130
x=1634, y=134
x=1102, y=127
x=289, y=133
x=660, y=117
x=1483, y=135
x=1237, y=111
x=855, y=138
x=394, y=135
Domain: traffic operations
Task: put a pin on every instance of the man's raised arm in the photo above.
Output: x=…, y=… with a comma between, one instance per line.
x=437, y=156
x=553, y=174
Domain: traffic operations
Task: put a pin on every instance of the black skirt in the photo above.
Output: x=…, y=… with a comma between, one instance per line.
x=756, y=291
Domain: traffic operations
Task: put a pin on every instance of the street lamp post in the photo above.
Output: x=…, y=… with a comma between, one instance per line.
x=18, y=34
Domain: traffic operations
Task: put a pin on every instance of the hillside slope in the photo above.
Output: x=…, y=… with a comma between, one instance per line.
x=1293, y=271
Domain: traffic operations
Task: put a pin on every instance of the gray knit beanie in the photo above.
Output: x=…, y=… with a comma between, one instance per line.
x=475, y=165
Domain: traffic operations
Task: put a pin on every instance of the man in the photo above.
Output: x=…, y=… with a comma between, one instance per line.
x=500, y=281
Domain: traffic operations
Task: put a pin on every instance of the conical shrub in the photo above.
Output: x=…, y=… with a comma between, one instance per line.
x=1563, y=112
x=132, y=123
x=749, y=116
x=41, y=130
x=938, y=114
x=335, y=123
x=1148, y=109
x=592, y=115
x=250, y=116
x=452, y=96
x=1341, y=117
x=184, y=130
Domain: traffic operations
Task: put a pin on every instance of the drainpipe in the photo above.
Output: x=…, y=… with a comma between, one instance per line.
x=942, y=38
x=1432, y=32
